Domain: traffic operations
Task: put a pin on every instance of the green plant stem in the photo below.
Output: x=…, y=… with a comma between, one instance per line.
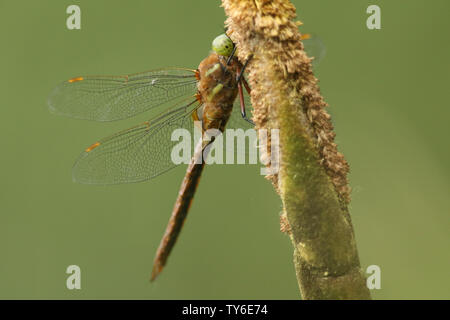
x=312, y=178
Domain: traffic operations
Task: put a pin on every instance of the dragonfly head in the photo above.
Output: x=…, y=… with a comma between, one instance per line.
x=223, y=45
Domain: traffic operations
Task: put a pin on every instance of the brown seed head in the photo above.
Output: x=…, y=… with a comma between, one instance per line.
x=266, y=29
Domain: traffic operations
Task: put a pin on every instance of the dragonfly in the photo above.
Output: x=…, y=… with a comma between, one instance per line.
x=205, y=97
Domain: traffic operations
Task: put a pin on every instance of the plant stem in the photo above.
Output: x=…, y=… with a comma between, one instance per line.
x=312, y=181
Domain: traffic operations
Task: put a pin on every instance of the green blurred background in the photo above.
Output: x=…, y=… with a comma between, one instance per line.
x=387, y=91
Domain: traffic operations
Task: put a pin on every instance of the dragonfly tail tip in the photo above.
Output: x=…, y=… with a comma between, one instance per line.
x=155, y=272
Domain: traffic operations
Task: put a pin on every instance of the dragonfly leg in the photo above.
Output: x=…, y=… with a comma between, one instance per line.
x=243, y=68
x=247, y=87
x=241, y=100
x=231, y=55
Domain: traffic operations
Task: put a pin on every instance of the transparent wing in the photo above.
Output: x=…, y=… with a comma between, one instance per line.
x=108, y=98
x=314, y=47
x=137, y=154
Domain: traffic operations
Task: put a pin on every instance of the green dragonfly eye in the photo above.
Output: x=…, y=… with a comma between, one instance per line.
x=223, y=45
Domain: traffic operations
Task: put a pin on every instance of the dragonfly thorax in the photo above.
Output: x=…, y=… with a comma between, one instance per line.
x=217, y=89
